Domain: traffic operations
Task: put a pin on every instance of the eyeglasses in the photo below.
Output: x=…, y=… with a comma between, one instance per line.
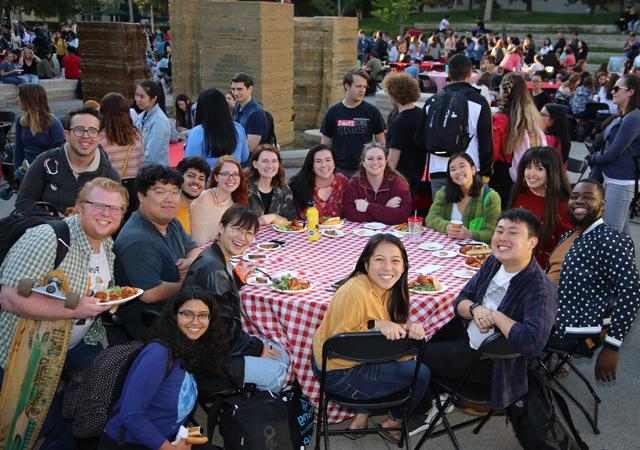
x=164, y=193
x=235, y=176
x=81, y=131
x=190, y=315
x=247, y=234
x=617, y=88
x=545, y=114
x=101, y=207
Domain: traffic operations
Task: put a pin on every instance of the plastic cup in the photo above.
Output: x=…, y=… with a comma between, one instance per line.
x=456, y=224
x=415, y=228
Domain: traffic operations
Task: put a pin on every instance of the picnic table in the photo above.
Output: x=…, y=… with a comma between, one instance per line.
x=291, y=320
x=425, y=66
x=545, y=86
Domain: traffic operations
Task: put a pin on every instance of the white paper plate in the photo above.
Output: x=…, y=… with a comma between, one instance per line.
x=301, y=291
x=363, y=232
x=464, y=273
x=431, y=246
x=251, y=257
x=398, y=234
x=467, y=245
x=253, y=281
x=124, y=300
x=439, y=291
x=334, y=233
x=279, y=229
x=470, y=267
x=268, y=246
x=395, y=228
x=444, y=253
x=326, y=227
x=374, y=225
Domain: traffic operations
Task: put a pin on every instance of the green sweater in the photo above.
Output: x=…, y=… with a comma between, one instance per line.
x=440, y=214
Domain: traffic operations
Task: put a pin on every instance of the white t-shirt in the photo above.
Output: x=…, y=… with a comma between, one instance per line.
x=98, y=277
x=492, y=298
x=456, y=214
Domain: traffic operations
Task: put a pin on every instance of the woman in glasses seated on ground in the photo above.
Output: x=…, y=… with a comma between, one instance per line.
x=467, y=200
x=374, y=298
x=377, y=192
x=227, y=186
x=269, y=195
x=542, y=188
x=318, y=181
x=160, y=389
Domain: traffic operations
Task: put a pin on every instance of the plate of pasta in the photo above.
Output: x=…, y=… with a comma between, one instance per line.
x=117, y=295
x=291, y=283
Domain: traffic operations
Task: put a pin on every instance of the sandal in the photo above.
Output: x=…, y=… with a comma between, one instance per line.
x=390, y=436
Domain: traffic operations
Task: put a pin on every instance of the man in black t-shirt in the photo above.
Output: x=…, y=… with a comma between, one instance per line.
x=405, y=154
x=540, y=97
x=351, y=123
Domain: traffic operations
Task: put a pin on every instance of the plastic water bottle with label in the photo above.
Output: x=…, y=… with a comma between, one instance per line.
x=312, y=222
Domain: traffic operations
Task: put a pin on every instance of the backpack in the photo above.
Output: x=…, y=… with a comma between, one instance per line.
x=446, y=128
x=535, y=418
x=17, y=223
x=271, y=129
x=91, y=392
x=258, y=420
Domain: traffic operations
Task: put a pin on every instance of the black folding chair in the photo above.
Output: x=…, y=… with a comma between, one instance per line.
x=577, y=166
x=494, y=347
x=367, y=348
x=583, y=345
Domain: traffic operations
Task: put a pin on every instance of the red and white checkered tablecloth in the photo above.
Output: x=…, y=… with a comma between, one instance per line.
x=291, y=320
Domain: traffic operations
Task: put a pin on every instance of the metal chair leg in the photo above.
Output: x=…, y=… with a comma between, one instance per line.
x=404, y=436
x=325, y=420
x=580, y=406
x=484, y=420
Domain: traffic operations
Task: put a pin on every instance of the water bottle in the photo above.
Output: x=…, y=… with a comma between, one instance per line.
x=312, y=222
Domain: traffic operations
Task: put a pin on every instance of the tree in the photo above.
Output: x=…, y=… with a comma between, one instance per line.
x=42, y=8
x=394, y=11
x=338, y=7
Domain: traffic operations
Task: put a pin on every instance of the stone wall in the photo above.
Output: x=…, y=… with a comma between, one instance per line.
x=112, y=58
x=215, y=40
x=325, y=48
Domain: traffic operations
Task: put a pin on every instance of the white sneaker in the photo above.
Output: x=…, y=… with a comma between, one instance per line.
x=432, y=414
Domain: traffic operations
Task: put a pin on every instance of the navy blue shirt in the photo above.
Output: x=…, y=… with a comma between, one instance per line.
x=252, y=118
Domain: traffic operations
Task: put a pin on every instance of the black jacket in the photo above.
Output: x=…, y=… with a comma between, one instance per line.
x=209, y=272
x=51, y=179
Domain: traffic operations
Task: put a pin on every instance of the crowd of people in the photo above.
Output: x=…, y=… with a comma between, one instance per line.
x=562, y=258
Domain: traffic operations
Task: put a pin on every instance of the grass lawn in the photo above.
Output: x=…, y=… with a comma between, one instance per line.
x=499, y=15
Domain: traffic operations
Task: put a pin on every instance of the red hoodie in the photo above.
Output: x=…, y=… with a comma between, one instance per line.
x=360, y=188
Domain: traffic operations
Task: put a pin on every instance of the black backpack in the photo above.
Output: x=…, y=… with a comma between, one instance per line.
x=17, y=223
x=271, y=129
x=446, y=126
x=536, y=417
x=91, y=392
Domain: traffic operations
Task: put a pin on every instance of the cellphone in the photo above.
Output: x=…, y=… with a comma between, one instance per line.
x=282, y=243
x=339, y=283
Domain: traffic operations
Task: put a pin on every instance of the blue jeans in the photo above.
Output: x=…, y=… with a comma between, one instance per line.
x=30, y=78
x=616, y=210
x=56, y=430
x=266, y=373
x=367, y=381
x=12, y=80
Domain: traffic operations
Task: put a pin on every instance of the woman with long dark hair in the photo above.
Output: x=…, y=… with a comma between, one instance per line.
x=375, y=297
x=617, y=162
x=542, y=188
x=153, y=123
x=464, y=198
x=215, y=134
x=227, y=186
x=37, y=129
x=319, y=182
x=160, y=390
x=122, y=140
x=269, y=195
x=555, y=125
x=377, y=192
x=516, y=127
x=182, y=108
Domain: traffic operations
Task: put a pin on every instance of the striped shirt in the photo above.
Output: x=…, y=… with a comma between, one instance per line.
x=118, y=155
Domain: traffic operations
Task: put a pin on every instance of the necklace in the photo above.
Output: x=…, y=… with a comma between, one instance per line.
x=327, y=185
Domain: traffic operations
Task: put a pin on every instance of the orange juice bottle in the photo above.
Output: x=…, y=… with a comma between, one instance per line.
x=312, y=222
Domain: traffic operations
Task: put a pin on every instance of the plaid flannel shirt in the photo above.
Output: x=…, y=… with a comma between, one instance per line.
x=532, y=301
x=32, y=256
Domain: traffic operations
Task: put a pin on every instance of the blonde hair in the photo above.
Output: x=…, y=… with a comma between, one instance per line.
x=35, y=108
x=106, y=184
x=524, y=117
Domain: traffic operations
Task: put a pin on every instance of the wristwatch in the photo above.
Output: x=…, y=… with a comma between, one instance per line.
x=371, y=324
x=472, y=307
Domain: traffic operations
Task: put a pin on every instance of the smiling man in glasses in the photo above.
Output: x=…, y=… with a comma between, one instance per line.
x=57, y=175
x=76, y=333
x=153, y=252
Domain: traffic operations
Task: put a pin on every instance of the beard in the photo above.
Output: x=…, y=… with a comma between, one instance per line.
x=189, y=195
x=587, y=220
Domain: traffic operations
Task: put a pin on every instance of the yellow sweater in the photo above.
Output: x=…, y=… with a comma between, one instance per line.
x=352, y=306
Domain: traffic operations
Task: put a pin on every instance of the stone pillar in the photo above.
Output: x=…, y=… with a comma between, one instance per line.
x=113, y=58
x=212, y=41
x=324, y=50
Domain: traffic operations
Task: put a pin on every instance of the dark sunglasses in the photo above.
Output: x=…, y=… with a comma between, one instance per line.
x=617, y=88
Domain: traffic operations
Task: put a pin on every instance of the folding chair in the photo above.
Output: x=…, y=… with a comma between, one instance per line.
x=367, y=348
x=577, y=166
x=494, y=347
x=585, y=345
